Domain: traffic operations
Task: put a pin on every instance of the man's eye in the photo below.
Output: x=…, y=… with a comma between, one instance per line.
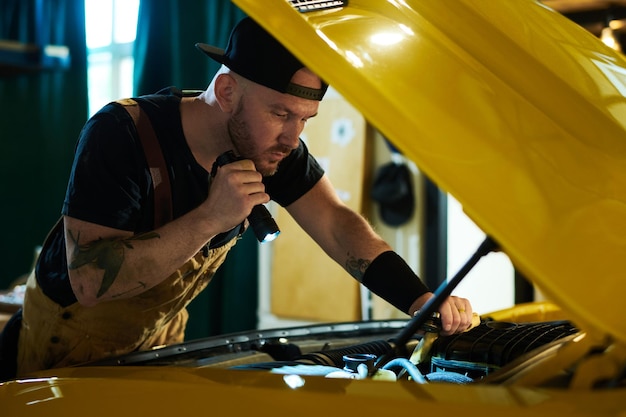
x=281, y=115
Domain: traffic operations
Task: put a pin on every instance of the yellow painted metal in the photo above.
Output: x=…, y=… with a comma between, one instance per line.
x=529, y=312
x=598, y=368
x=185, y=391
x=513, y=109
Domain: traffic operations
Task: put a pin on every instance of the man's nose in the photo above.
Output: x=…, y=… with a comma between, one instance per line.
x=291, y=135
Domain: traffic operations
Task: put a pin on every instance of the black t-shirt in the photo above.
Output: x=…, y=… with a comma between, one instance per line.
x=110, y=182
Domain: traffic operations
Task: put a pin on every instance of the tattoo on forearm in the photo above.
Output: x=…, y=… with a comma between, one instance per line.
x=356, y=267
x=106, y=254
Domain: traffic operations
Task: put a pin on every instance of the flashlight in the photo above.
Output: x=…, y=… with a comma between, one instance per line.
x=263, y=225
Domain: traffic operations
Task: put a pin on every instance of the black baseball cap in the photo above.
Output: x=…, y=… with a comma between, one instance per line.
x=256, y=55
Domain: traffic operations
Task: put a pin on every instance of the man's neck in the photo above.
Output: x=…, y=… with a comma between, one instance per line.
x=205, y=129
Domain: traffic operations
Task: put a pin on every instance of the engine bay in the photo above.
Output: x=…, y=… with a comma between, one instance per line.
x=488, y=353
x=463, y=358
x=551, y=352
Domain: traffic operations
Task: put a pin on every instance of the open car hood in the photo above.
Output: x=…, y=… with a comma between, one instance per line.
x=514, y=110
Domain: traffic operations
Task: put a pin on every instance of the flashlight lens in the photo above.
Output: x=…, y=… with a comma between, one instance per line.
x=263, y=225
x=270, y=236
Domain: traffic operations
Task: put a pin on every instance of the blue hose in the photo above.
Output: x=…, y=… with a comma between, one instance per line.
x=409, y=367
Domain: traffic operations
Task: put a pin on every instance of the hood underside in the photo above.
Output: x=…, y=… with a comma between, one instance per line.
x=511, y=108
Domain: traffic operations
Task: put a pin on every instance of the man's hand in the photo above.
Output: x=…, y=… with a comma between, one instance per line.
x=456, y=313
x=235, y=189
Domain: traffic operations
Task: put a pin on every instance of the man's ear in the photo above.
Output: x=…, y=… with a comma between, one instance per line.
x=226, y=92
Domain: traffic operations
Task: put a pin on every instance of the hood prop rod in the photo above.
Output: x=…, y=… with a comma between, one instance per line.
x=432, y=306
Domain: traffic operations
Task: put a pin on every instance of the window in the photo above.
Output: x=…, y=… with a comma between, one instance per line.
x=111, y=27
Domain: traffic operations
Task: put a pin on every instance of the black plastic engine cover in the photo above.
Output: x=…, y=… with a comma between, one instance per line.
x=491, y=345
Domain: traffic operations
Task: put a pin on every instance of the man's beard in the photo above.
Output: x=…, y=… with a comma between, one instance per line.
x=243, y=142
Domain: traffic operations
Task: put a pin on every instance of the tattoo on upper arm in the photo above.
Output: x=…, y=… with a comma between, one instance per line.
x=356, y=267
x=106, y=254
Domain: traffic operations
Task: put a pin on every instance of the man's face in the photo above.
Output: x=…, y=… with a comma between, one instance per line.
x=266, y=125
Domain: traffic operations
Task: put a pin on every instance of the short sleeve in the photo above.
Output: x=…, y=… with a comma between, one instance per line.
x=296, y=175
x=109, y=178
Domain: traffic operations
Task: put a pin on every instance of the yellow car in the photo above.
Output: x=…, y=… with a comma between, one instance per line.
x=520, y=115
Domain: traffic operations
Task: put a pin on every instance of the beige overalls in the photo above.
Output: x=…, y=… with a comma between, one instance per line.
x=53, y=336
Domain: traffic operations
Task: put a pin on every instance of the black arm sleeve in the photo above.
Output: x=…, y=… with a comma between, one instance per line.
x=389, y=277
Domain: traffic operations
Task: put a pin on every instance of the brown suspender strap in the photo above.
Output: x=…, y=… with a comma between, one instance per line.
x=163, y=212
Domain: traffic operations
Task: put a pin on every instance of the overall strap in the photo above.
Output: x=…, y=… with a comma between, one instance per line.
x=163, y=212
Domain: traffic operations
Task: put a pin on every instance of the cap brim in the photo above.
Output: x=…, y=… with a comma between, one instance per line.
x=212, y=51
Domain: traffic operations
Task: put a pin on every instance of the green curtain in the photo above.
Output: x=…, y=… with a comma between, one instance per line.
x=165, y=55
x=167, y=31
x=41, y=114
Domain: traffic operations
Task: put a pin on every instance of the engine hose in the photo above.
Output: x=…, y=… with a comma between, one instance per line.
x=409, y=367
x=446, y=376
x=334, y=357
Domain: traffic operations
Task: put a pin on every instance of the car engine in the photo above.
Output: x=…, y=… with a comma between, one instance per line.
x=355, y=350
x=461, y=358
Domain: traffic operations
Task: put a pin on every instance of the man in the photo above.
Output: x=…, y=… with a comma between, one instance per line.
x=146, y=224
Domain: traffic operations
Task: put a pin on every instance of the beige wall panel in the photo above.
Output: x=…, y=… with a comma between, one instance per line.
x=305, y=283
